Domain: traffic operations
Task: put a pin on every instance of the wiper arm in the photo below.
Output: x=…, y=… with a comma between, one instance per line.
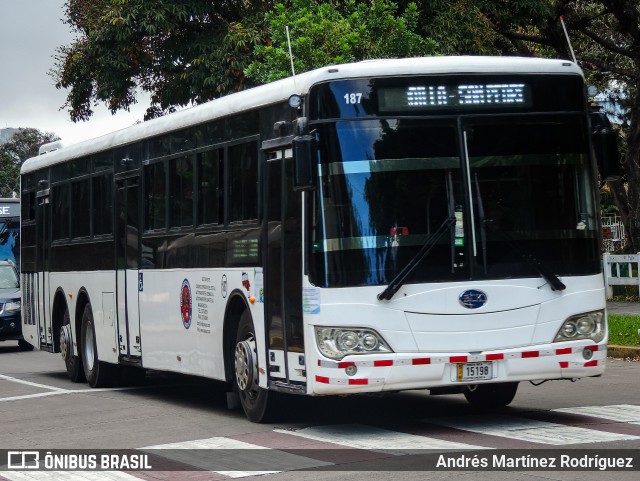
x=397, y=282
x=537, y=265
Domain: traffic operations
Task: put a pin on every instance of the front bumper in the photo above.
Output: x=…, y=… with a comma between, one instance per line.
x=10, y=327
x=396, y=372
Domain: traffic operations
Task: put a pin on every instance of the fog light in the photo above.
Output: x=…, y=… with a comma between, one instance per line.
x=587, y=354
x=351, y=370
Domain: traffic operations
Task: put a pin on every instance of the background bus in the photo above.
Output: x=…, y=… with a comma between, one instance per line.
x=10, y=305
x=369, y=227
x=10, y=230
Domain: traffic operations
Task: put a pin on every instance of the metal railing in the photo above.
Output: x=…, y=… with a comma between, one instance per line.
x=621, y=270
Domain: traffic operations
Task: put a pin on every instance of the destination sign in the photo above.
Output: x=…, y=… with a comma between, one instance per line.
x=462, y=96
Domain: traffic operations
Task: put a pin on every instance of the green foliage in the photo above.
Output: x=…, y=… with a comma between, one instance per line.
x=180, y=52
x=332, y=32
x=623, y=330
x=23, y=144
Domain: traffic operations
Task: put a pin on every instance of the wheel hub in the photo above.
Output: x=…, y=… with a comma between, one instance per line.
x=65, y=342
x=245, y=365
x=88, y=349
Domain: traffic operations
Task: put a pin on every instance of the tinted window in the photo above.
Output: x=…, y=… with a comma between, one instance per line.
x=155, y=196
x=209, y=187
x=181, y=191
x=243, y=197
x=60, y=196
x=102, y=205
x=81, y=201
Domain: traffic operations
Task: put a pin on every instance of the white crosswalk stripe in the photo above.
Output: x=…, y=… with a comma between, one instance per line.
x=260, y=456
x=376, y=439
x=269, y=453
x=624, y=413
x=530, y=430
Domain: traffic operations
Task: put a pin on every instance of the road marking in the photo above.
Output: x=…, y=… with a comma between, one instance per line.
x=260, y=456
x=530, y=430
x=56, y=391
x=361, y=436
x=68, y=476
x=624, y=413
x=65, y=391
x=29, y=383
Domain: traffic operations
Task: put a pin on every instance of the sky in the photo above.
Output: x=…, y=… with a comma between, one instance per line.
x=30, y=32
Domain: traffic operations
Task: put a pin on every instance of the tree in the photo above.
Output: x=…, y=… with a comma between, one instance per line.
x=605, y=35
x=181, y=52
x=192, y=51
x=23, y=144
x=332, y=32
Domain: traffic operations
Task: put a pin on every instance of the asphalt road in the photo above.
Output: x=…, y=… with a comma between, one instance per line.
x=359, y=438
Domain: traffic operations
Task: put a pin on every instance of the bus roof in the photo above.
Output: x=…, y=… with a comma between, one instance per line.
x=281, y=90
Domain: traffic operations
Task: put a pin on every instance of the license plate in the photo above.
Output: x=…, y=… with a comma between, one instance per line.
x=474, y=371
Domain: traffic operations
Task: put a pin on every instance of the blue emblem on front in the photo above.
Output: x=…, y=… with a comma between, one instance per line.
x=473, y=299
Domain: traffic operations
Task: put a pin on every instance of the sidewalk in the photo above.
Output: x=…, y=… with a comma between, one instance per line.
x=630, y=308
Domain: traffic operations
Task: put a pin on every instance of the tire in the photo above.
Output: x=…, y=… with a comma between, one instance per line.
x=257, y=403
x=98, y=373
x=24, y=345
x=72, y=363
x=491, y=396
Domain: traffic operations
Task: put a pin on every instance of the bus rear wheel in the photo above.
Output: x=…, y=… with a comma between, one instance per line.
x=491, y=396
x=256, y=402
x=73, y=363
x=98, y=373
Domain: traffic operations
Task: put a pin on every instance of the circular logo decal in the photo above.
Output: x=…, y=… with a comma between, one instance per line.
x=185, y=304
x=473, y=299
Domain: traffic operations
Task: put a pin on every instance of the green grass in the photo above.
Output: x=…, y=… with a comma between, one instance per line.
x=623, y=330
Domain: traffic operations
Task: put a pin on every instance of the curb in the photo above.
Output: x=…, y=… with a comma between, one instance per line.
x=623, y=352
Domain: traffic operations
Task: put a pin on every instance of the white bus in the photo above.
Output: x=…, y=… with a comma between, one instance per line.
x=386, y=225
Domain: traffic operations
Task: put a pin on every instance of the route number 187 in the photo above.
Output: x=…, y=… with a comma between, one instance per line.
x=353, y=98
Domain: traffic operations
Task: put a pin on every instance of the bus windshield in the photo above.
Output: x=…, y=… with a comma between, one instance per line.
x=9, y=243
x=519, y=187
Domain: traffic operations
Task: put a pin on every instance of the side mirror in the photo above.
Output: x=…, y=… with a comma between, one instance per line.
x=605, y=146
x=305, y=162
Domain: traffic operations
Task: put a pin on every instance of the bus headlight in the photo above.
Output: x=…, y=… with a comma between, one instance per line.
x=12, y=306
x=590, y=325
x=336, y=343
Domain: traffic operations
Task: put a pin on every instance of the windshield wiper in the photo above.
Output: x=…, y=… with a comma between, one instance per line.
x=397, y=282
x=535, y=263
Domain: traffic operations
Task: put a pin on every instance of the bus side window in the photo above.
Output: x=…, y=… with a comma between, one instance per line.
x=61, y=211
x=210, y=187
x=181, y=191
x=81, y=203
x=102, y=205
x=243, y=182
x=155, y=184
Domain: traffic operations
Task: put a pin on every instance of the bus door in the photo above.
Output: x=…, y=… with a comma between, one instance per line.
x=282, y=254
x=43, y=266
x=127, y=238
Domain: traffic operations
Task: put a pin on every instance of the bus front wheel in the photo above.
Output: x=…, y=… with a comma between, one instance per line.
x=256, y=402
x=491, y=396
x=98, y=373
